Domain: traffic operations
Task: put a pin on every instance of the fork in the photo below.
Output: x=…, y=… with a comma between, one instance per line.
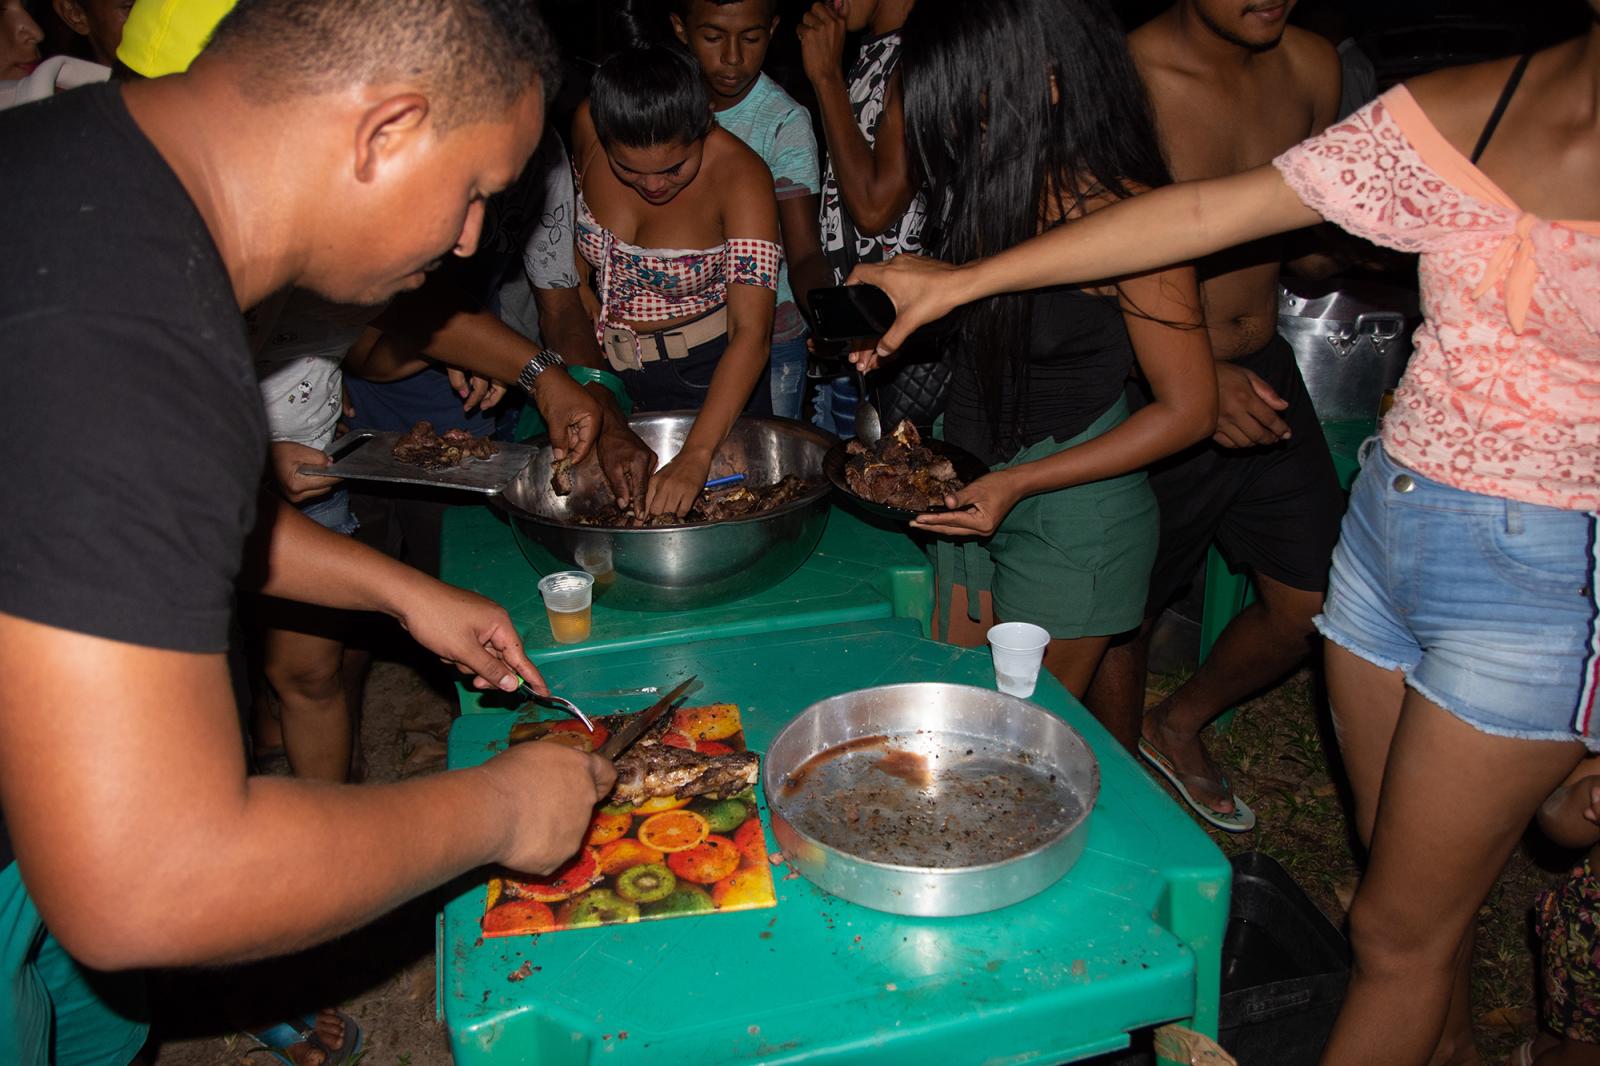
x=560, y=703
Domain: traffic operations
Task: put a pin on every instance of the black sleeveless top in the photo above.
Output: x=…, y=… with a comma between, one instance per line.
x=1077, y=366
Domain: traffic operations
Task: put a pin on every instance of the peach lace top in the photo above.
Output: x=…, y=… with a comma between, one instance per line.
x=1502, y=395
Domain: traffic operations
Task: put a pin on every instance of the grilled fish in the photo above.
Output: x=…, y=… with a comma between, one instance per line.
x=646, y=771
x=650, y=768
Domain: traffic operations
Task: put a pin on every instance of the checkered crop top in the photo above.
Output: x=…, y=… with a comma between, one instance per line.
x=656, y=284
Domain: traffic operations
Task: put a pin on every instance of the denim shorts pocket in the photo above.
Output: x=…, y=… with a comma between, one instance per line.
x=1548, y=556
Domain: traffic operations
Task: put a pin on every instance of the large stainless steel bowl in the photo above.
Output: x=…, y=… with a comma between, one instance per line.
x=673, y=568
x=930, y=799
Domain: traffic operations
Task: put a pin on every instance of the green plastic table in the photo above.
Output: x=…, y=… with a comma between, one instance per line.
x=1130, y=938
x=861, y=570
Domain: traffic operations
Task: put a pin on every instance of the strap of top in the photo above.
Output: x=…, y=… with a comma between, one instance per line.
x=1500, y=106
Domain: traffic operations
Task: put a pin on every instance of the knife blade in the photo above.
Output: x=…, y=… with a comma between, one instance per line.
x=634, y=727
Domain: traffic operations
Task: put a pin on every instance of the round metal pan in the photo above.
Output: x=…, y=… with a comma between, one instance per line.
x=969, y=468
x=930, y=799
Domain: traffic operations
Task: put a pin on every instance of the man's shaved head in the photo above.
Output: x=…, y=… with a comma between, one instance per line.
x=475, y=57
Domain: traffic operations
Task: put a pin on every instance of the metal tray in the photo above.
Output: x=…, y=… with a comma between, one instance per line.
x=930, y=799
x=969, y=468
x=365, y=456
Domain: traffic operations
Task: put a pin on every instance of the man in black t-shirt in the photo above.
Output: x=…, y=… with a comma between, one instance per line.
x=343, y=146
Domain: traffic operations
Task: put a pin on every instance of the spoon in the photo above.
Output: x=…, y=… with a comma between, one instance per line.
x=869, y=427
x=559, y=703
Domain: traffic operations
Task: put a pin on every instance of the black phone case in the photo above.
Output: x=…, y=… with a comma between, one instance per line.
x=851, y=312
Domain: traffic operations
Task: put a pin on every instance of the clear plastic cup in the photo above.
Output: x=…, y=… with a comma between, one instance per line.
x=1018, y=649
x=567, y=600
x=596, y=561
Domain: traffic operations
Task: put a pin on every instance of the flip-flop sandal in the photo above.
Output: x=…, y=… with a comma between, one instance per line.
x=1241, y=820
x=275, y=1040
x=352, y=1039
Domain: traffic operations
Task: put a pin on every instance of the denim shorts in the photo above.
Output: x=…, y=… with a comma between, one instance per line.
x=1488, y=605
x=332, y=512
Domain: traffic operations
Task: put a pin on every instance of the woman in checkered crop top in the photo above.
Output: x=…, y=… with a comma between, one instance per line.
x=677, y=235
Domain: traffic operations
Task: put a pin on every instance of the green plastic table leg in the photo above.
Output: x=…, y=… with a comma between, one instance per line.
x=910, y=591
x=1194, y=908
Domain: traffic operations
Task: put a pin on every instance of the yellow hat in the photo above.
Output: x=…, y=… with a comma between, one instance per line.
x=164, y=36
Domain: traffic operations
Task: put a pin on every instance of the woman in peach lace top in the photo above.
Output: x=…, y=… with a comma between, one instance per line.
x=1461, y=612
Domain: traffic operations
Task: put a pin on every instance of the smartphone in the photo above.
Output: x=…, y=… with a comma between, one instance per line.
x=851, y=312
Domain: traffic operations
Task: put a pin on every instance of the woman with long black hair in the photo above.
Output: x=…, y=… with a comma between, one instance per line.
x=1023, y=114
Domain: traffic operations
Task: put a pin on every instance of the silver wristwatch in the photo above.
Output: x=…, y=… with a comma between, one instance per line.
x=545, y=360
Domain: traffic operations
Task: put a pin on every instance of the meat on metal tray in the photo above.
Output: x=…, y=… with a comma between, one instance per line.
x=367, y=456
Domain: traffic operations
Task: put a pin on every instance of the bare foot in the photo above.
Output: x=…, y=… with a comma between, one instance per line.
x=306, y=1053
x=331, y=1031
x=330, y=1035
x=1188, y=755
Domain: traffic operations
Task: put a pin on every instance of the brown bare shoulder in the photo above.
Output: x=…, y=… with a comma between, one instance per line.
x=743, y=186
x=1458, y=100
x=1151, y=47
x=1314, y=65
x=736, y=162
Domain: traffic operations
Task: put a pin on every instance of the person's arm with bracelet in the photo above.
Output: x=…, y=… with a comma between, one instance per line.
x=438, y=320
x=564, y=323
x=1173, y=224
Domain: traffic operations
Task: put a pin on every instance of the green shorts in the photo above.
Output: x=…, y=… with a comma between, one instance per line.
x=59, y=1013
x=1076, y=561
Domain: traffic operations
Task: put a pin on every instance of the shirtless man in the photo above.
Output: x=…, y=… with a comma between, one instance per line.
x=1232, y=85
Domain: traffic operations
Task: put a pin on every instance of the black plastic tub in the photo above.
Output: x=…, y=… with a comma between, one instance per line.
x=1284, y=969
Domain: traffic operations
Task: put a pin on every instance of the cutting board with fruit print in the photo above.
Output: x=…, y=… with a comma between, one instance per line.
x=663, y=858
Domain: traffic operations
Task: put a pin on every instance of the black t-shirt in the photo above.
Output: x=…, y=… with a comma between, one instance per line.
x=1077, y=366
x=137, y=435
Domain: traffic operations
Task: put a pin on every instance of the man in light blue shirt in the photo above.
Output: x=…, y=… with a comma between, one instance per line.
x=730, y=38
